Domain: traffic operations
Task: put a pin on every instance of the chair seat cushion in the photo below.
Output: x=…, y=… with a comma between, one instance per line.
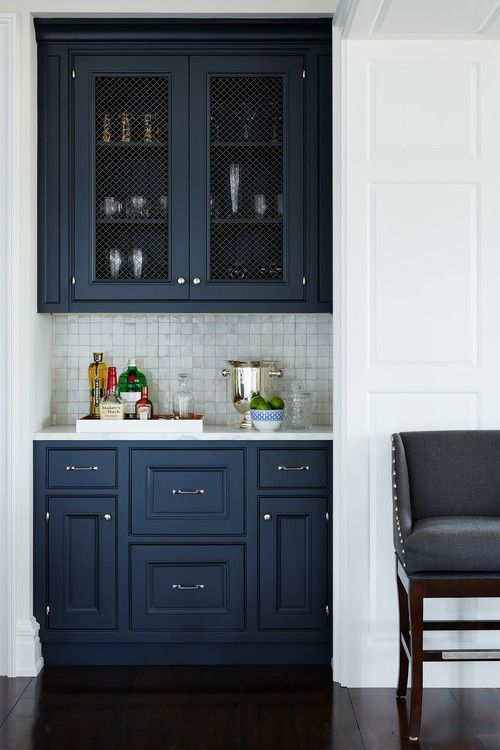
x=454, y=543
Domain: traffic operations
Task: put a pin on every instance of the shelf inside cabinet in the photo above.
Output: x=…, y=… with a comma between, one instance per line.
x=257, y=222
x=246, y=144
x=130, y=144
x=143, y=222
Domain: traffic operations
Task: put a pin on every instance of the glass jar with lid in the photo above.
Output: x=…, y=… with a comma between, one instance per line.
x=183, y=401
x=298, y=408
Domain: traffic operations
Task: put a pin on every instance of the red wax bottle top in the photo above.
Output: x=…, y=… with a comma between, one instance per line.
x=111, y=378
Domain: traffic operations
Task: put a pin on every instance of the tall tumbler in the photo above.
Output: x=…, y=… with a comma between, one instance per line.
x=234, y=185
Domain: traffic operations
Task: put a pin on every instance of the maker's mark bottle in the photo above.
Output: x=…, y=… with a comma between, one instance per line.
x=111, y=406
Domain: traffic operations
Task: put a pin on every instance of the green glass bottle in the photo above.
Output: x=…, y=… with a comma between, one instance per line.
x=130, y=385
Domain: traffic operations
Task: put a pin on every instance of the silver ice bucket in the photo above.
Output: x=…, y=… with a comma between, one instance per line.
x=248, y=378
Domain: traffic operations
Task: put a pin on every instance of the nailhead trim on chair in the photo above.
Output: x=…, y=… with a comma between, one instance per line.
x=396, y=510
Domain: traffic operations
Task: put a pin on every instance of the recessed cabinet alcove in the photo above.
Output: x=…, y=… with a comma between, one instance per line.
x=184, y=166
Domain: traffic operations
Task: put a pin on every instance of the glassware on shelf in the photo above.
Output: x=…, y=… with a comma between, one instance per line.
x=126, y=130
x=115, y=262
x=137, y=207
x=163, y=204
x=137, y=261
x=111, y=207
x=234, y=186
x=298, y=408
x=148, y=128
x=214, y=128
x=276, y=122
x=106, y=128
x=159, y=133
x=279, y=204
x=214, y=208
x=246, y=116
x=183, y=401
x=260, y=204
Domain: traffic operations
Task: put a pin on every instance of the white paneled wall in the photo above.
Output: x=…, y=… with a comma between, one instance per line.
x=421, y=305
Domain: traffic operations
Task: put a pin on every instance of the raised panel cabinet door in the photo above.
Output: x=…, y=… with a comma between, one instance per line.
x=188, y=491
x=82, y=563
x=293, y=558
x=130, y=178
x=247, y=178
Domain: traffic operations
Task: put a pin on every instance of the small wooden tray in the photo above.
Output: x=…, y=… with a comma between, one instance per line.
x=159, y=423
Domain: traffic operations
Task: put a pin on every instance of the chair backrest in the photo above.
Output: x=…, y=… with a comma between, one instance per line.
x=453, y=473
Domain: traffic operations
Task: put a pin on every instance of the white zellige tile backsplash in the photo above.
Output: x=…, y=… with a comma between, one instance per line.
x=199, y=344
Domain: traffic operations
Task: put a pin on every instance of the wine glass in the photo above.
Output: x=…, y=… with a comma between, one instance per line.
x=246, y=115
x=234, y=185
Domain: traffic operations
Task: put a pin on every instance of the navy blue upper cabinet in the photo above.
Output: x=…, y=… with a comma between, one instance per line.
x=176, y=174
x=130, y=187
x=247, y=176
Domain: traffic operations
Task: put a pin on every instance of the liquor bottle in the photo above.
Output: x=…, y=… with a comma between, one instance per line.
x=111, y=406
x=144, y=407
x=129, y=386
x=97, y=383
x=126, y=134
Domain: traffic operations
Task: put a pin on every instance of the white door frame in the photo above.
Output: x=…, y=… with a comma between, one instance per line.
x=8, y=248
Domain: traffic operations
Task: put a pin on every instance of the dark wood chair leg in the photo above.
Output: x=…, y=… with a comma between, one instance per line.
x=404, y=631
x=417, y=627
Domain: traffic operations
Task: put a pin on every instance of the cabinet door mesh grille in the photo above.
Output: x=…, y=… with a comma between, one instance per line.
x=131, y=177
x=247, y=166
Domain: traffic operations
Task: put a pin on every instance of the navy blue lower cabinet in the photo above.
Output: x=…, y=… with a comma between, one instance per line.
x=293, y=562
x=81, y=540
x=182, y=552
x=187, y=587
x=188, y=492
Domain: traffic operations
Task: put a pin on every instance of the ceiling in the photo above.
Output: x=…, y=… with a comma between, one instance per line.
x=423, y=19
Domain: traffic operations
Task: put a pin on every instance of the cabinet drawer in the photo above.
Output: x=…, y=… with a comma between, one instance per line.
x=293, y=467
x=188, y=492
x=187, y=587
x=81, y=468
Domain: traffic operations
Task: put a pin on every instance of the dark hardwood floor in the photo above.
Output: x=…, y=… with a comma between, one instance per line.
x=231, y=708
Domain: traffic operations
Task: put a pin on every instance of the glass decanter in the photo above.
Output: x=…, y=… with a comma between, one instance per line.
x=183, y=401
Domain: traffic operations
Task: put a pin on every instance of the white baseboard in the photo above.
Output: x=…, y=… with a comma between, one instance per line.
x=29, y=661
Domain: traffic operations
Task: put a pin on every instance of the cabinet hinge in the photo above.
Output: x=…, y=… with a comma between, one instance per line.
x=73, y=74
x=47, y=609
x=327, y=516
x=327, y=609
x=47, y=516
x=73, y=280
x=303, y=74
x=304, y=280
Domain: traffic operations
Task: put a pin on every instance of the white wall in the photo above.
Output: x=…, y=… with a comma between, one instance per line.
x=420, y=310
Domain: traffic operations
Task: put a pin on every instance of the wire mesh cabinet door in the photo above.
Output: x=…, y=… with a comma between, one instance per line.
x=131, y=197
x=247, y=154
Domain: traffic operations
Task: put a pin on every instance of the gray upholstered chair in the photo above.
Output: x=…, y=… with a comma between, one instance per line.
x=446, y=496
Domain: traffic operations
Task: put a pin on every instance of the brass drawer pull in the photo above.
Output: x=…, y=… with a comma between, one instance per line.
x=188, y=586
x=81, y=468
x=188, y=492
x=293, y=468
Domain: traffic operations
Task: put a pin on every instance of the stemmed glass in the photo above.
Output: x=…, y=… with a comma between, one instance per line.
x=247, y=113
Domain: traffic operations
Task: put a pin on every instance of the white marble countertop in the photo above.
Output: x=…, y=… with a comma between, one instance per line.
x=63, y=432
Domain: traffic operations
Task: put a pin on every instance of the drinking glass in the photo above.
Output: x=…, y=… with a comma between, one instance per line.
x=115, y=262
x=163, y=202
x=234, y=185
x=246, y=115
x=260, y=204
x=298, y=408
x=137, y=207
x=111, y=207
x=137, y=260
x=279, y=204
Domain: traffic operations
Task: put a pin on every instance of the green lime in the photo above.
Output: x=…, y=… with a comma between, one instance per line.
x=276, y=402
x=256, y=400
x=263, y=405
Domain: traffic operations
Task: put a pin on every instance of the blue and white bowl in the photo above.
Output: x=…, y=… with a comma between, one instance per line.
x=266, y=420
